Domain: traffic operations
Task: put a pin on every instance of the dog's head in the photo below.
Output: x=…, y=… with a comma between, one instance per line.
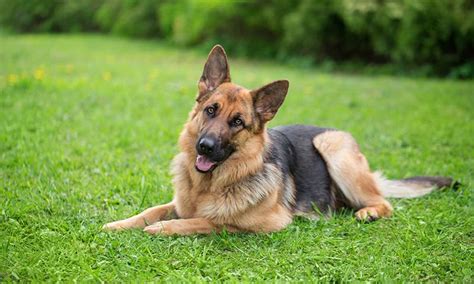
x=226, y=115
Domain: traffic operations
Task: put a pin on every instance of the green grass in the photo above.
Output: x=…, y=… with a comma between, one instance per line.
x=88, y=126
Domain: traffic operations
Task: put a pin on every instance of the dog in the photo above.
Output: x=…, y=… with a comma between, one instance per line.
x=235, y=174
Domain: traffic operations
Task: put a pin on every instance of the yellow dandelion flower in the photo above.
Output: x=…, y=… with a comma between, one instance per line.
x=39, y=74
x=12, y=79
x=106, y=76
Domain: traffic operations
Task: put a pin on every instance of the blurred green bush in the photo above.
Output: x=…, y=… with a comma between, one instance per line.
x=436, y=36
x=134, y=18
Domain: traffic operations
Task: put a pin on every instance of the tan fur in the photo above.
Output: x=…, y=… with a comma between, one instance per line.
x=228, y=197
x=182, y=227
x=243, y=193
x=350, y=171
x=149, y=216
x=401, y=188
x=235, y=195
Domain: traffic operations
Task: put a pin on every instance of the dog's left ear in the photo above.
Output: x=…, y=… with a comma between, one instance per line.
x=268, y=99
x=216, y=71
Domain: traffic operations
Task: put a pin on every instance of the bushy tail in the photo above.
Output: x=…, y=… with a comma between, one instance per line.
x=411, y=187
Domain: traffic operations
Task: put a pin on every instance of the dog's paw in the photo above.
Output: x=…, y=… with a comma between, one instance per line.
x=165, y=228
x=154, y=229
x=367, y=214
x=115, y=226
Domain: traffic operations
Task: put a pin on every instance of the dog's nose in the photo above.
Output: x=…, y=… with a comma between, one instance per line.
x=206, y=146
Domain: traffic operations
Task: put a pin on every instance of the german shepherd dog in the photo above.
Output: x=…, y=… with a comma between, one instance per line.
x=234, y=173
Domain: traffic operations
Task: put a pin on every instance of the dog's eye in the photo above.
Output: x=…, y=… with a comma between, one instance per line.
x=210, y=111
x=237, y=122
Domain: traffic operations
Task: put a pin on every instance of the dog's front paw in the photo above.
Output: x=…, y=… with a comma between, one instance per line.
x=166, y=228
x=115, y=226
x=157, y=228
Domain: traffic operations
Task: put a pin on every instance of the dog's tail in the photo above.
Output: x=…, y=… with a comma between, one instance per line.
x=411, y=187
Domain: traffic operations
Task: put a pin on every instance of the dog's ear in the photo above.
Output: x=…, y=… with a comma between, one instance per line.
x=268, y=99
x=216, y=71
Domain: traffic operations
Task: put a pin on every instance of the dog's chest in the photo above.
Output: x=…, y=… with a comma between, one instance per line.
x=221, y=207
x=196, y=196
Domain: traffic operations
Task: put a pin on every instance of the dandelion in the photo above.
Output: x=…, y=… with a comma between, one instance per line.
x=106, y=76
x=39, y=74
x=12, y=79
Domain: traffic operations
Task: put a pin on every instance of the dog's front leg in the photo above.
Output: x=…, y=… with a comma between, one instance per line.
x=149, y=216
x=186, y=227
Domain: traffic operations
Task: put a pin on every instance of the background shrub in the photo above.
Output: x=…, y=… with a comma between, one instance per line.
x=28, y=16
x=75, y=16
x=432, y=35
x=134, y=18
x=317, y=29
x=436, y=33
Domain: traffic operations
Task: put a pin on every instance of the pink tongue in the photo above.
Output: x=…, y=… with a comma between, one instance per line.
x=203, y=163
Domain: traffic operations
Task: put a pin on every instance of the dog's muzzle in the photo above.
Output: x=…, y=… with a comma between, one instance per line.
x=211, y=152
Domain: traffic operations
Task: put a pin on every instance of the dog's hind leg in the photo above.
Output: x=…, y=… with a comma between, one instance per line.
x=350, y=171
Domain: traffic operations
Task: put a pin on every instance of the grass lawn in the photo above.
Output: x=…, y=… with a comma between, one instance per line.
x=89, y=124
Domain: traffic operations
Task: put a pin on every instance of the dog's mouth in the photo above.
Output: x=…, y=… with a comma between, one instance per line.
x=204, y=164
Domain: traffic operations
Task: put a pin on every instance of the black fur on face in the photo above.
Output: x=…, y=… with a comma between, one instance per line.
x=214, y=148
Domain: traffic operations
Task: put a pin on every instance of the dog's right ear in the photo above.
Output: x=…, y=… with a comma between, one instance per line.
x=216, y=71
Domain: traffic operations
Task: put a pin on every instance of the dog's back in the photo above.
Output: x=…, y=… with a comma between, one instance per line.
x=293, y=151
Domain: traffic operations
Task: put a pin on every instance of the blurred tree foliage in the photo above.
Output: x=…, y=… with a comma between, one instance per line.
x=436, y=35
